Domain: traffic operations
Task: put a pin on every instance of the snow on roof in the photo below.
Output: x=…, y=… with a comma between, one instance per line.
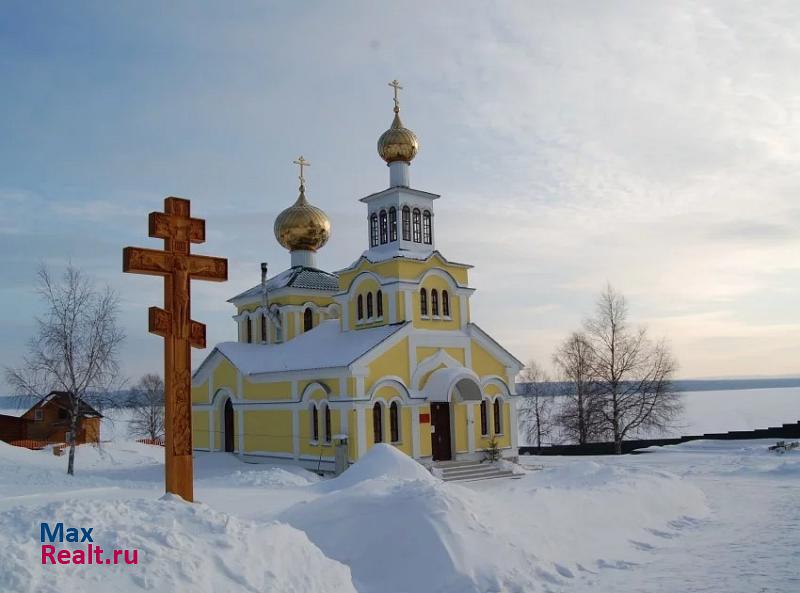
x=17, y=406
x=296, y=277
x=325, y=346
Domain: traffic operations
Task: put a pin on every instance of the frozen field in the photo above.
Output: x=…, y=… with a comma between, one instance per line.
x=739, y=409
x=697, y=517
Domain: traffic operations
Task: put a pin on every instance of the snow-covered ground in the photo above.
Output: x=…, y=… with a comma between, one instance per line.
x=731, y=409
x=742, y=409
x=703, y=516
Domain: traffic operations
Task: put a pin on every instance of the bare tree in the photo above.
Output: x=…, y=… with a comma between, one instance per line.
x=536, y=404
x=632, y=374
x=75, y=348
x=147, y=408
x=580, y=415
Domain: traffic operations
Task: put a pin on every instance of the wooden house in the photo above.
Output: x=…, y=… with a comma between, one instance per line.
x=47, y=421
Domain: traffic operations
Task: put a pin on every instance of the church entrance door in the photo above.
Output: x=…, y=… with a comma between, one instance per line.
x=440, y=435
x=228, y=426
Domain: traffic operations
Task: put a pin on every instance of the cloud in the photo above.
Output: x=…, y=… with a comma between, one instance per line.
x=652, y=145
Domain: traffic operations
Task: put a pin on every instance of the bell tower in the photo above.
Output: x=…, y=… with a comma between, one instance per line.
x=400, y=218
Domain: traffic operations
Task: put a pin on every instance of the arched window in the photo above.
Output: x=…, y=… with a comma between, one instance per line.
x=445, y=304
x=394, y=422
x=314, y=423
x=384, y=228
x=369, y=305
x=373, y=230
x=327, y=423
x=249, y=330
x=377, y=422
x=423, y=302
x=308, y=319
x=427, y=234
x=379, y=303
x=434, y=302
x=264, y=327
x=360, y=306
x=416, y=223
x=392, y=224
x=484, y=418
x=498, y=416
x=406, y=223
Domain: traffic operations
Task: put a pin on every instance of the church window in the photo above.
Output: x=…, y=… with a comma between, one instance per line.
x=264, y=327
x=369, y=305
x=423, y=302
x=394, y=422
x=373, y=230
x=308, y=319
x=327, y=424
x=360, y=306
x=498, y=416
x=427, y=236
x=314, y=423
x=384, y=228
x=392, y=224
x=416, y=224
x=379, y=303
x=484, y=418
x=249, y=330
x=406, y=223
x=434, y=302
x=377, y=422
x=445, y=304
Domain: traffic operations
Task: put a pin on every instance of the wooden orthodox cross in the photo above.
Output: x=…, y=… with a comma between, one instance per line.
x=175, y=325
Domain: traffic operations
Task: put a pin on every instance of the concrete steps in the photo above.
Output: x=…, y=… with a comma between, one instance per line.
x=469, y=471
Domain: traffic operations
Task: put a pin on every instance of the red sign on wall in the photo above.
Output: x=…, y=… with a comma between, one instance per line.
x=424, y=417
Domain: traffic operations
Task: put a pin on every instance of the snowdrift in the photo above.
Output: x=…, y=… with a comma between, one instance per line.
x=182, y=547
x=416, y=533
x=382, y=462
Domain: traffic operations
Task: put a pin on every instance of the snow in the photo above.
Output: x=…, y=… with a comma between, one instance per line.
x=734, y=409
x=702, y=516
x=382, y=462
x=181, y=547
x=325, y=346
x=14, y=412
x=745, y=409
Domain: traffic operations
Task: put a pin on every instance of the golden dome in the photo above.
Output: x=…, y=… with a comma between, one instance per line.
x=398, y=143
x=302, y=226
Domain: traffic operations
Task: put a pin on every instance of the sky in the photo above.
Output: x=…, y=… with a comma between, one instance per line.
x=652, y=146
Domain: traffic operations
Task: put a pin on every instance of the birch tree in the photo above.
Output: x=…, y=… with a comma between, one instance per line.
x=75, y=348
x=631, y=373
x=580, y=415
x=147, y=408
x=536, y=405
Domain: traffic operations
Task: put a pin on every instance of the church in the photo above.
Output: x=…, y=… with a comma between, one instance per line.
x=381, y=351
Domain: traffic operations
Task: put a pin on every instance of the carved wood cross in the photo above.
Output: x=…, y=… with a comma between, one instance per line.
x=175, y=325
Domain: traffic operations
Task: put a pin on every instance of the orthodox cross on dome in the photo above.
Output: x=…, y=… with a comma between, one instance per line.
x=175, y=325
x=395, y=84
x=303, y=163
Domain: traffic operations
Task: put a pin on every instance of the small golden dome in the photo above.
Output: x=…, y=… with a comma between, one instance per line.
x=302, y=226
x=398, y=143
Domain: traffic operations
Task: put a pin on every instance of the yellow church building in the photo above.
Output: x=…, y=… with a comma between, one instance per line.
x=382, y=351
